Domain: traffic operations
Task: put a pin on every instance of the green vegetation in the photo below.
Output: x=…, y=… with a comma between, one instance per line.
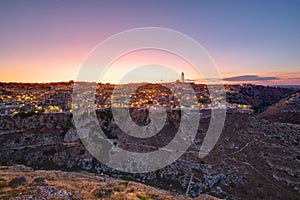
x=143, y=196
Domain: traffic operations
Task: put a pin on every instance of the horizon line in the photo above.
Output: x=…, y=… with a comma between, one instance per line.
x=70, y=81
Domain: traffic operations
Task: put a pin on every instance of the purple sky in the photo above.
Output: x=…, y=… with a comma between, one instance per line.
x=44, y=41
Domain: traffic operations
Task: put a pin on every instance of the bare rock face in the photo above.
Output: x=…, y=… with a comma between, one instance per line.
x=21, y=180
x=71, y=136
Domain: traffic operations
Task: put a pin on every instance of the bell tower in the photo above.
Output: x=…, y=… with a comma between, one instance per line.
x=182, y=77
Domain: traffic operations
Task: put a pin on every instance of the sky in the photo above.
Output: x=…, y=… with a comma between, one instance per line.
x=249, y=41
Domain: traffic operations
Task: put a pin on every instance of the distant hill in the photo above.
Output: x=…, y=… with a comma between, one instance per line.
x=286, y=111
x=257, y=96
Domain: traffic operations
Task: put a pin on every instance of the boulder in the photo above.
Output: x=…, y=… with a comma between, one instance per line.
x=40, y=180
x=21, y=180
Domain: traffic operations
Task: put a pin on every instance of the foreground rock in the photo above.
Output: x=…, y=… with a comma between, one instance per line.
x=17, y=182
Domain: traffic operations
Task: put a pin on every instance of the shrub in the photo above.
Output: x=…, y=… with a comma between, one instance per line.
x=66, y=125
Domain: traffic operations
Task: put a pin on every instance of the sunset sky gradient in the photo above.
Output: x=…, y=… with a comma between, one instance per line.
x=44, y=41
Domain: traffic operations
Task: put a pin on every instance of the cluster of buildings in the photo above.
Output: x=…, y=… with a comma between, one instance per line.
x=30, y=98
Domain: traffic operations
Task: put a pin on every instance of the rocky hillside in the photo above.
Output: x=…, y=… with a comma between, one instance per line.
x=287, y=110
x=20, y=183
x=253, y=159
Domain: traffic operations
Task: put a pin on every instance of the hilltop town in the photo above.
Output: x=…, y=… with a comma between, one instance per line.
x=29, y=98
